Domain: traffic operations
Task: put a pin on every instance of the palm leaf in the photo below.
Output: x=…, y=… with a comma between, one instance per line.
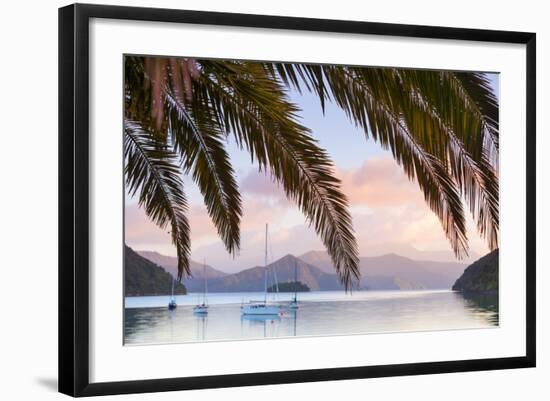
x=475, y=88
x=447, y=126
x=152, y=170
x=254, y=108
x=196, y=139
x=369, y=100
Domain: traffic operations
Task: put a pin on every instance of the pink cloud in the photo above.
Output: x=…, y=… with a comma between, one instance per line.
x=379, y=182
x=141, y=232
x=140, y=229
x=200, y=222
x=262, y=184
x=395, y=218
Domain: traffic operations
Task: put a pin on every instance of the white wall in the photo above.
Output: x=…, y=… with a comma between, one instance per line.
x=28, y=200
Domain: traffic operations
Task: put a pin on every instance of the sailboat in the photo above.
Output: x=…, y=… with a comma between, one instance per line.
x=262, y=307
x=172, y=303
x=294, y=302
x=202, y=308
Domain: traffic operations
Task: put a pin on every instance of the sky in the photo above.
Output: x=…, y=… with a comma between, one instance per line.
x=388, y=211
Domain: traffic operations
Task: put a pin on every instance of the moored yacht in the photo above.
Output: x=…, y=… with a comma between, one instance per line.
x=262, y=307
x=202, y=307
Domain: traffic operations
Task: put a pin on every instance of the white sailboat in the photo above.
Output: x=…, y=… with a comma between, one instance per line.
x=202, y=308
x=262, y=307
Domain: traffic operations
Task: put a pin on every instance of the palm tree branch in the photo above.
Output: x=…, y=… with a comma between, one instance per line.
x=201, y=150
x=152, y=170
x=474, y=89
x=262, y=121
x=200, y=145
x=371, y=111
x=477, y=179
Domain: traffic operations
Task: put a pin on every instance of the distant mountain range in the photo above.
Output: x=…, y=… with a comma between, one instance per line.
x=411, y=252
x=392, y=267
x=315, y=269
x=170, y=264
x=280, y=271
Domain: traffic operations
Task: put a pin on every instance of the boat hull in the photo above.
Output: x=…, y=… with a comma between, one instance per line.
x=200, y=310
x=293, y=305
x=261, y=309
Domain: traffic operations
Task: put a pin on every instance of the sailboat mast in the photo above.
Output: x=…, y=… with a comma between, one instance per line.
x=295, y=280
x=204, y=277
x=265, y=266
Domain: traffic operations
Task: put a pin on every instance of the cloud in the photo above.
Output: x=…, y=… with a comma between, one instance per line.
x=406, y=225
x=259, y=184
x=379, y=182
x=139, y=228
x=259, y=208
x=388, y=211
x=142, y=233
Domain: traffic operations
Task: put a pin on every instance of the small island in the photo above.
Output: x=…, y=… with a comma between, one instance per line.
x=290, y=286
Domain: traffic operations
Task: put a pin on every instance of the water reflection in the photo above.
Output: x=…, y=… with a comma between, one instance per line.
x=294, y=314
x=265, y=326
x=261, y=319
x=201, y=322
x=366, y=313
x=483, y=303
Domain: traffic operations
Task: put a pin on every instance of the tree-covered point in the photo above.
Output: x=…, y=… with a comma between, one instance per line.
x=481, y=276
x=291, y=286
x=144, y=278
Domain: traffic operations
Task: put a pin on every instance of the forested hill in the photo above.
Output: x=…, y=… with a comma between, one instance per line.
x=480, y=276
x=143, y=277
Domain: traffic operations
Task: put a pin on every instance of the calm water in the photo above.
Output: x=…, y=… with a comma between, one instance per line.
x=148, y=320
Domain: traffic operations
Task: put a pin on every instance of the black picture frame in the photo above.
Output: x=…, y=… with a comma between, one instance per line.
x=74, y=200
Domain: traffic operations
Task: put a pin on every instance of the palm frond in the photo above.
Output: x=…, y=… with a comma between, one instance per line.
x=152, y=170
x=196, y=138
x=254, y=108
x=476, y=89
x=448, y=127
x=369, y=100
x=198, y=141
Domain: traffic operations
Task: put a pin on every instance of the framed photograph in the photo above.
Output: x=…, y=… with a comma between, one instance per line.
x=251, y=199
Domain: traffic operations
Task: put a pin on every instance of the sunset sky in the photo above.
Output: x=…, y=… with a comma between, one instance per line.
x=388, y=211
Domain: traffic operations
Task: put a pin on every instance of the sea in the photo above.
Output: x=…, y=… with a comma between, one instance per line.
x=147, y=320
